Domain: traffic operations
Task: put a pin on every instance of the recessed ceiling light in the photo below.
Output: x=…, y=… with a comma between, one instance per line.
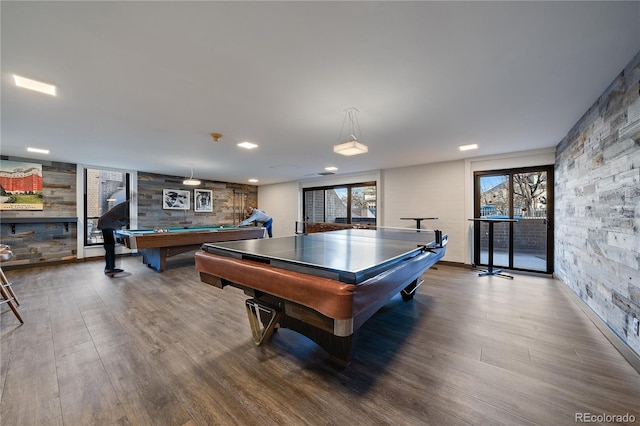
x=38, y=86
x=331, y=169
x=253, y=180
x=247, y=145
x=38, y=150
x=468, y=147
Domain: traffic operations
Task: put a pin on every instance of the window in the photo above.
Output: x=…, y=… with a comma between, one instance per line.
x=354, y=203
x=103, y=190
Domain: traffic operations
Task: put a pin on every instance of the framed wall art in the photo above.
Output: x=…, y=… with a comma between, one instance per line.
x=202, y=200
x=176, y=199
x=20, y=186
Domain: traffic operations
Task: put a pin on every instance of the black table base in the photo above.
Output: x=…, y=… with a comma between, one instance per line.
x=490, y=270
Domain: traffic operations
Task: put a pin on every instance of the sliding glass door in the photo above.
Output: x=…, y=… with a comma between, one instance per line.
x=527, y=196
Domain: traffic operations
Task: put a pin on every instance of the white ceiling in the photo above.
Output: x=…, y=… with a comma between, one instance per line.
x=141, y=85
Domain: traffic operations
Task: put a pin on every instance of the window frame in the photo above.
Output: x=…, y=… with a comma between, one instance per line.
x=349, y=187
x=92, y=219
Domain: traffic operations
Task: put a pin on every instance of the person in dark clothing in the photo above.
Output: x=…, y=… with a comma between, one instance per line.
x=114, y=219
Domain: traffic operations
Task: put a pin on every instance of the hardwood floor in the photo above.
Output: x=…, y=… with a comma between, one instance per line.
x=164, y=349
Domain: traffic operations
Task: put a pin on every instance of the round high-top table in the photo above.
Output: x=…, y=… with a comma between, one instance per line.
x=418, y=220
x=491, y=221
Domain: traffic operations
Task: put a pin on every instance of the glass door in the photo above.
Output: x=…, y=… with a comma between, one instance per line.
x=527, y=196
x=363, y=205
x=531, y=233
x=494, y=203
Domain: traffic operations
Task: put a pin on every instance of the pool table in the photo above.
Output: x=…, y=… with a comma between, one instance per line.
x=323, y=285
x=156, y=245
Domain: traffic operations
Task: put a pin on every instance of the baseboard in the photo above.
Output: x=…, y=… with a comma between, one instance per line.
x=40, y=264
x=59, y=262
x=625, y=350
x=454, y=264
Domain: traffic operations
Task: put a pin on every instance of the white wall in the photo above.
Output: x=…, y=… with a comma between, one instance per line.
x=442, y=190
x=281, y=201
x=430, y=190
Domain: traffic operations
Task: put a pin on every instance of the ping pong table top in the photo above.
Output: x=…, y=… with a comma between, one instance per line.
x=349, y=255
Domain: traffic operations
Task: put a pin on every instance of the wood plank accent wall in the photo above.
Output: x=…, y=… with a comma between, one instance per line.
x=597, y=208
x=37, y=243
x=152, y=215
x=42, y=243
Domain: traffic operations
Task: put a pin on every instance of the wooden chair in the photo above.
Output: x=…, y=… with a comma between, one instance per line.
x=5, y=285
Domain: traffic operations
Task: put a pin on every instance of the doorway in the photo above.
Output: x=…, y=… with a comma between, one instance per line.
x=524, y=194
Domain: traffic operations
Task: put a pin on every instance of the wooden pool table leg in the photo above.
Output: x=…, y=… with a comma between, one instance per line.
x=265, y=318
x=154, y=258
x=340, y=349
